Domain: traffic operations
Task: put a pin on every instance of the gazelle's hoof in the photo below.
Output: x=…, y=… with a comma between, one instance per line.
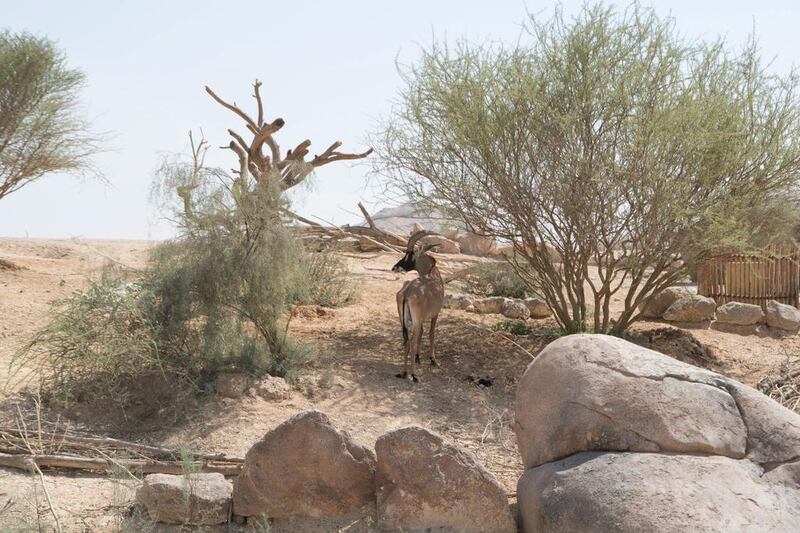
x=406, y=375
x=435, y=363
x=417, y=359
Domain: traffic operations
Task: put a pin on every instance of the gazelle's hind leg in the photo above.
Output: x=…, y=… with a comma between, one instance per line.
x=411, y=345
x=432, y=337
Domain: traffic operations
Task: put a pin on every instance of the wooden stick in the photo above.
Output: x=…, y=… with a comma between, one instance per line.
x=47, y=497
x=367, y=216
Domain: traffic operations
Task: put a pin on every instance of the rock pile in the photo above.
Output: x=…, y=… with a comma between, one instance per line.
x=509, y=307
x=308, y=475
x=679, y=304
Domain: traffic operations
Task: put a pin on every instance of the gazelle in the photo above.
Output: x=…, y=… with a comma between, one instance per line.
x=418, y=301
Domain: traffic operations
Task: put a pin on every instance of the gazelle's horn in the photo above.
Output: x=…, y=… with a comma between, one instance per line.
x=417, y=236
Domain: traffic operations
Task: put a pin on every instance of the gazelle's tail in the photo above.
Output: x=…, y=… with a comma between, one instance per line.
x=406, y=321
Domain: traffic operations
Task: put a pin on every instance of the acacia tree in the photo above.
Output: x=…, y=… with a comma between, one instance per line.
x=41, y=127
x=609, y=140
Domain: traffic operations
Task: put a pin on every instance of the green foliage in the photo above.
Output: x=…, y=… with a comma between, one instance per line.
x=496, y=279
x=41, y=129
x=513, y=326
x=609, y=149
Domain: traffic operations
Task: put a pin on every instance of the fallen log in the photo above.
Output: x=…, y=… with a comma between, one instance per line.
x=29, y=462
x=19, y=437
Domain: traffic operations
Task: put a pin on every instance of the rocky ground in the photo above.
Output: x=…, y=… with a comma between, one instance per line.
x=353, y=383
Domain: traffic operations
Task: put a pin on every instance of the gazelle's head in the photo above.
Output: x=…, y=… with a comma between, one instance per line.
x=417, y=260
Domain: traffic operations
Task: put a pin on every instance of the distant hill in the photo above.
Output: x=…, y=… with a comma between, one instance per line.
x=401, y=219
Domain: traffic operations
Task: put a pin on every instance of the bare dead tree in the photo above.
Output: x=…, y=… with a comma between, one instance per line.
x=261, y=158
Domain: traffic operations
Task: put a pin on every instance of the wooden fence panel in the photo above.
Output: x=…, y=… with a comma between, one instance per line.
x=773, y=274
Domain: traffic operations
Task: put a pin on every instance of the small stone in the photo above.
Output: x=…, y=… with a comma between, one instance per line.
x=655, y=307
x=515, y=309
x=692, y=308
x=273, y=389
x=538, y=308
x=457, y=301
x=490, y=305
x=782, y=316
x=740, y=314
x=231, y=384
x=195, y=499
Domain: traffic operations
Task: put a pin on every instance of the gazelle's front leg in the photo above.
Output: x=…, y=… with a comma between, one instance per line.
x=419, y=342
x=414, y=343
x=432, y=337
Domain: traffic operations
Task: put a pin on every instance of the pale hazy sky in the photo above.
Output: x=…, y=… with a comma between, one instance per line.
x=328, y=69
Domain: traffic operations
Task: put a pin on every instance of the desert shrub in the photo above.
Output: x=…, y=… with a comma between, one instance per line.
x=514, y=327
x=328, y=281
x=496, y=279
x=97, y=342
x=784, y=386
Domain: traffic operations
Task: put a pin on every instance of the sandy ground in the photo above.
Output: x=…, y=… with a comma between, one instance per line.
x=362, y=343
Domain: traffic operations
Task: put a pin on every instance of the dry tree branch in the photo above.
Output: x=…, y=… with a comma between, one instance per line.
x=293, y=167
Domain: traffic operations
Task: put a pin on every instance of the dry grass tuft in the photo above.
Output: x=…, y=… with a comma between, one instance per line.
x=784, y=387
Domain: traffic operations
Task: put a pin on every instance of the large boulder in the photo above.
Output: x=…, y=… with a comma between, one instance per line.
x=666, y=405
x=538, y=308
x=490, y=305
x=474, y=244
x=740, y=314
x=194, y=499
x=424, y=484
x=515, y=309
x=692, y=308
x=678, y=448
x=305, y=467
x=632, y=492
x=655, y=307
x=782, y=316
